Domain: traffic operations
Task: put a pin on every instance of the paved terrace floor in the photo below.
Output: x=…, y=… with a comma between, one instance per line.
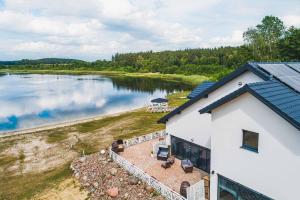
x=140, y=155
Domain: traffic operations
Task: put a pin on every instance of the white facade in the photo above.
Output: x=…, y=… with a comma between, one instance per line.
x=191, y=126
x=275, y=170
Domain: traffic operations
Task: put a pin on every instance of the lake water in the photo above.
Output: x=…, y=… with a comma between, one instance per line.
x=33, y=100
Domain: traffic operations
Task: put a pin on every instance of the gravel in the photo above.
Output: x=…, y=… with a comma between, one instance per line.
x=102, y=178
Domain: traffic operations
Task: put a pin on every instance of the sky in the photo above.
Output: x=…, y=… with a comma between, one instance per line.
x=97, y=29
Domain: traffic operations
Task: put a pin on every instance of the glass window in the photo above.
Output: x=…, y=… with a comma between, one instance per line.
x=250, y=140
x=198, y=155
x=230, y=190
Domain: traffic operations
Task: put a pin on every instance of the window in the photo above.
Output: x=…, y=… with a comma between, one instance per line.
x=250, y=140
x=198, y=155
x=230, y=190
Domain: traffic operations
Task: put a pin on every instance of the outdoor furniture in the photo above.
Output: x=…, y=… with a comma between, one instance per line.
x=114, y=147
x=120, y=145
x=163, y=152
x=171, y=159
x=166, y=164
x=184, y=185
x=117, y=146
x=187, y=166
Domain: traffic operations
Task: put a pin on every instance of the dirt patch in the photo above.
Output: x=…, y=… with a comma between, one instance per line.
x=36, y=155
x=69, y=189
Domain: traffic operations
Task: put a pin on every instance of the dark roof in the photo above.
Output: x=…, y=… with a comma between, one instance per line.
x=159, y=100
x=247, y=67
x=286, y=72
x=276, y=95
x=200, y=88
x=254, y=67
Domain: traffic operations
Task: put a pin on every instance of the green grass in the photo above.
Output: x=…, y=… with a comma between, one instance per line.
x=7, y=160
x=85, y=148
x=27, y=185
x=191, y=79
x=97, y=124
x=178, y=98
x=57, y=135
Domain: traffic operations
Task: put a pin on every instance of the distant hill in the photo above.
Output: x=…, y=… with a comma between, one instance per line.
x=39, y=61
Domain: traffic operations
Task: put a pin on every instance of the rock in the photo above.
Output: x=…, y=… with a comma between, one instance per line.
x=101, y=194
x=102, y=159
x=149, y=189
x=102, y=152
x=113, y=171
x=121, y=180
x=133, y=180
x=84, y=178
x=108, y=176
x=113, y=192
x=96, y=184
x=139, y=182
x=82, y=159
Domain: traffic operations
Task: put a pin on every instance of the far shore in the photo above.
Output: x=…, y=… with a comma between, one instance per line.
x=189, y=79
x=63, y=124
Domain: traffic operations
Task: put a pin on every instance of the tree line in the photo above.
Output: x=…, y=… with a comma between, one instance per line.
x=270, y=40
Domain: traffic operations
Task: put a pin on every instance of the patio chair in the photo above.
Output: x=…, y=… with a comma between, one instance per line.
x=163, y=152
x=187, y=166
x=120, y=145
x=114, y=147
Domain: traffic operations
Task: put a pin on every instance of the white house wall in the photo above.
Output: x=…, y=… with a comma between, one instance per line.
x=275, y=170
x=192, y=126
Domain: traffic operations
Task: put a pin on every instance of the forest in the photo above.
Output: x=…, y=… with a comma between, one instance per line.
x=270, y=40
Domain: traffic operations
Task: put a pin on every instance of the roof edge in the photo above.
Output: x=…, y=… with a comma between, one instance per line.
x=241, y=91
x=249, y=66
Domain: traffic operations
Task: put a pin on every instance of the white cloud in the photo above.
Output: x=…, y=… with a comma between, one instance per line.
x=292, y=20
x=236, y=38
x=98, y=28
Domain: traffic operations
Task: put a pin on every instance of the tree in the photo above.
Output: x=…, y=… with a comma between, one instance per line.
x=264, y=38
x=290, y=45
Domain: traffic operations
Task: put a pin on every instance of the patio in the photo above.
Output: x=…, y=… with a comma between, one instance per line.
x=140, y=156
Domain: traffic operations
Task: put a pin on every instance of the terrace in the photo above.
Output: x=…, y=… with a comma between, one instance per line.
x=140, y=155
x=137, y=154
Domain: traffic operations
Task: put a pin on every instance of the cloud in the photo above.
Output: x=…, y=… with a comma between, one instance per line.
x=97, y=29
x=292, y=20
x=236, y=38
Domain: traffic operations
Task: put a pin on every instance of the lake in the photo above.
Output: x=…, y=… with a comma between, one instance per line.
x=32, y=100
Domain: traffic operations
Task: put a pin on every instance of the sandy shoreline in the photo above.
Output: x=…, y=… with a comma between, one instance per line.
x=62, y=124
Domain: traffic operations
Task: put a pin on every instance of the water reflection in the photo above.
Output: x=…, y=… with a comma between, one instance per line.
x=33, y=100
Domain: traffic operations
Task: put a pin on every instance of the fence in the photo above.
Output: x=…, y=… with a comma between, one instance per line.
x=144, y=138
x=196, y=191
x=165, y=191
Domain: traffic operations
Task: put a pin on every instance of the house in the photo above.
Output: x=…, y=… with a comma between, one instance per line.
x=244, y=131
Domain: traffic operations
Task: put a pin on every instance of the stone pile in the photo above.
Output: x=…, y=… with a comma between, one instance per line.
x=104, y=179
